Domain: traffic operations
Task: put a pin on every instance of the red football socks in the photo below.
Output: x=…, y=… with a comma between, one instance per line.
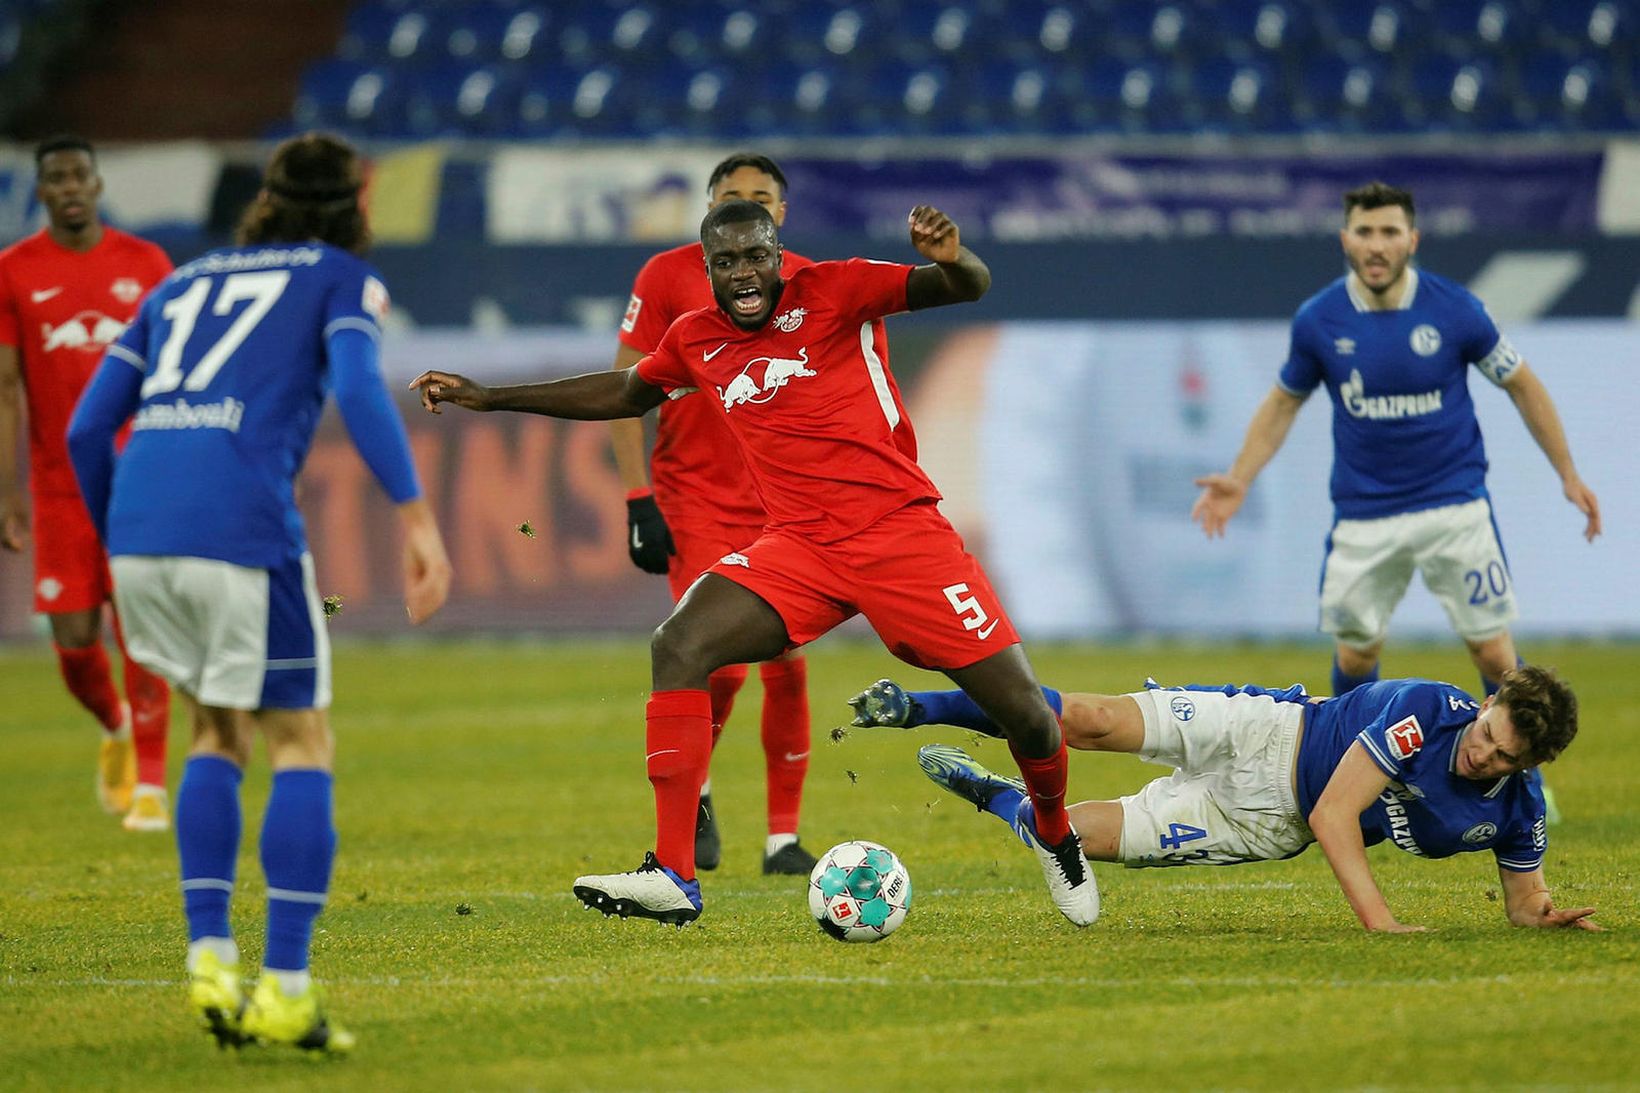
x=724, y=684
x=679, y=749
x=1045, y=781
x=150, y=699
x=785, y=738
x=87, y=674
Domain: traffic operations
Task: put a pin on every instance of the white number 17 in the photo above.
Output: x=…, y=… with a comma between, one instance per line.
x=262, y=289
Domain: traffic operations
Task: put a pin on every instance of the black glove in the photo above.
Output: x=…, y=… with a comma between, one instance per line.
x=648, y=539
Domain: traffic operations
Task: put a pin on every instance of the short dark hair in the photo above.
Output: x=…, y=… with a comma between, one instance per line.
x=1542, y=708
x=62, y=142
x=734, y=212
x=1377, y=195
x=310, y=191
x=746, y=159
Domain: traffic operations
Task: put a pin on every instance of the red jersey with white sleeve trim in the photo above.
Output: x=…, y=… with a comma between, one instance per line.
x=694, y=468
x=61, y=309
x=818, y=416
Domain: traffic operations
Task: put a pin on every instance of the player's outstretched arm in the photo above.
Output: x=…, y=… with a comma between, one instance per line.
x=426, y=565
x=596, y=396
x=13, y=499
x=1336, y=823
x=1222, y=494
x=1527, y=902
x=1537, y=409
x=957, y=275
x=648, y=539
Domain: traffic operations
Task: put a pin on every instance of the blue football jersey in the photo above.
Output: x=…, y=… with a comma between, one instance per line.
x=233, y=360
x=1411, y=729
x=1405, y=436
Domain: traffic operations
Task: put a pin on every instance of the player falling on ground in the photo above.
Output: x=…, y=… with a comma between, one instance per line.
x=226, y=368
x=704, y=506
x=1393, y=345
x=854, y=526
x=1261, y=774
x=65, y=294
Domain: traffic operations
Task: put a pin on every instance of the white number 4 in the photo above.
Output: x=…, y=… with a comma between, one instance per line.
x=261, y=289
x=967, y=607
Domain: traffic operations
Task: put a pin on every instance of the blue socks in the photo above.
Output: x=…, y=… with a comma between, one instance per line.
x=956, y=708
x=208, y=825
x=298, y=847
x=1344, y=684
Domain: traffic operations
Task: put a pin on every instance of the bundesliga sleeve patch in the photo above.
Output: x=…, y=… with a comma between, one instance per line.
x=375, y=302
x=633, y=306
x=1405, y=737
x=1501, y=363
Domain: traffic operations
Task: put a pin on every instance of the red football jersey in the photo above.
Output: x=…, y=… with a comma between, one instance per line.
x=695, y=467
x=60, y=309
x=808, y=396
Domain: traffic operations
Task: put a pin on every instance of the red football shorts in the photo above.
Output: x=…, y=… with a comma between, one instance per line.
x=70, y=568
x=908, y=574
x=700, y=546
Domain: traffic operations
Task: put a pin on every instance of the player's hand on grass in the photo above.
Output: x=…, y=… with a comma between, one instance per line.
x=1220, y=499
x=426, y=565
x=648, y=539
x=934, y=234
x=440, y=387
x=14, y=523
x=1583, y=497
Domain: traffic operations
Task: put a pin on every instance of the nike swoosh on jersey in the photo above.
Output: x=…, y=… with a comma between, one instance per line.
x=715, y=352
x=45, y=294
x=985, y=631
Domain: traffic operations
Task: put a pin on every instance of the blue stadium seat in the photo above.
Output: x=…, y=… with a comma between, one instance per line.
x=1591, y=25
x=382, y=32
x=1577, y=94
x=914, y=100
x=1139, y=28
x=494, y=30
x=544, y=107
x=819, y=31
x=935, y=30
x=1477, y=26
x=610, y=33
x=1454, y=93
x=452, y=100
x=1269, y=27
x=1130, y=96
x=1240, y=97
x=347, y=95
x=1005, y=96
x=793, y=100
x=1350, y=95
x=1381, y=27
x=691, y=100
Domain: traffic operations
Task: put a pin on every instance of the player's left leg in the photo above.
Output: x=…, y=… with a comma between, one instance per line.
x=786, y=734
x=77, y=637
x=1091, y=722
x=149, y=697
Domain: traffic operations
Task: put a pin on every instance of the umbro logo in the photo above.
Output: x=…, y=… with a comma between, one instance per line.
x=1344, y=346
x=45, y=294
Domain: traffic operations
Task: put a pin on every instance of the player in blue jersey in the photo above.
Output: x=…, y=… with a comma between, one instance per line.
x=1393, y=345
x=1260, y=774
x=226, y=369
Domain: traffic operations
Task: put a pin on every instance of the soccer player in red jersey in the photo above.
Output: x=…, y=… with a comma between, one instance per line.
x=703, y=506
x=853, y=525
x=65, y=294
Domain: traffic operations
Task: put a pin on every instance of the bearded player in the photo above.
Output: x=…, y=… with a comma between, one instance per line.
x=65, y=294
x=853, y=525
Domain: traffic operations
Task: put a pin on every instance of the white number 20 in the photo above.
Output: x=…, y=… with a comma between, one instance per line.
x=262, y=289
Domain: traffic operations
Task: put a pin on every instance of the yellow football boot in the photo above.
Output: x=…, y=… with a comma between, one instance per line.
x=273, y=1018
x=217, y=994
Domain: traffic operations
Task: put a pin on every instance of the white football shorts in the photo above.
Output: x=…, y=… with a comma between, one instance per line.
x=1370, y=563
x=230, y=635
x=1230, y=797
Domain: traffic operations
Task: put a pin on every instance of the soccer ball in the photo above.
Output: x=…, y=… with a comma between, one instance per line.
x=859, y=891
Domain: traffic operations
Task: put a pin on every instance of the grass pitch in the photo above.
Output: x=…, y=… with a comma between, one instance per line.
x=476, y=780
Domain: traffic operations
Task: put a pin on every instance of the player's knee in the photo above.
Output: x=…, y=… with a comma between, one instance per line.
x=1090, y=721
x=677, y=655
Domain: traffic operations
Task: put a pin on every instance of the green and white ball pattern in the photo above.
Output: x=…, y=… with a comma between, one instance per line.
x=859, y=891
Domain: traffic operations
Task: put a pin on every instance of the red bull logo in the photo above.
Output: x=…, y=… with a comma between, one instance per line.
x=777, y=373
x=90, y=331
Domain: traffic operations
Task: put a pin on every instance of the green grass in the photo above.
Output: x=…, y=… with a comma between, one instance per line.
x=489, y=775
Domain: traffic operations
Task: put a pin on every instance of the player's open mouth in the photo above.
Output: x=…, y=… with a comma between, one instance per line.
x=748, y=301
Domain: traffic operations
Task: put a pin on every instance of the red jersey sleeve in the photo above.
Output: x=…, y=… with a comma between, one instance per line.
x=866, y=289
x=653, y=304
x=8, y=307
x=664, y=368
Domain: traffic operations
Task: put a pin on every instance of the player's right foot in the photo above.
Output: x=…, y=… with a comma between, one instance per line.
x=650, y=891
x=150, y=810
x=217, y=994
x=955, y=770
x=708, y=845
x=273, y=1018
x=1070, y=881
x=117, y=768
x=885, y=705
